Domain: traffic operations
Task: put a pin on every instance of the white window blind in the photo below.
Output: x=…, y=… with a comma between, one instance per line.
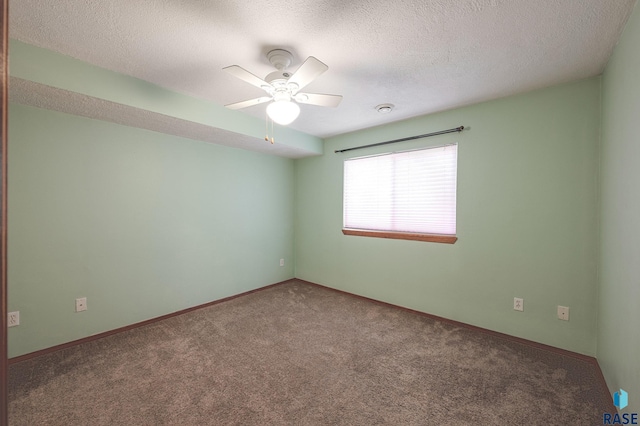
x=412, y=191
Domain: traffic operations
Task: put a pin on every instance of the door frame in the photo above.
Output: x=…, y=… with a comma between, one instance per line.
x=4, y=71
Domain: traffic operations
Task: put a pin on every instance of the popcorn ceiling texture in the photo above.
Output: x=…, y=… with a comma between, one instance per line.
x=422, y=56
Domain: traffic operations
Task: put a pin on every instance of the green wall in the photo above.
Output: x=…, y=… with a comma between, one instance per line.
x=619, y=301
x=141, y=223
x=527, y=219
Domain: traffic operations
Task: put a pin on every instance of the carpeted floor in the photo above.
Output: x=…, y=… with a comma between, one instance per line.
x=304, y=355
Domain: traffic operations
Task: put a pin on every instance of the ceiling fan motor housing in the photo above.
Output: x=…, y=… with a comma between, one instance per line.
x=280, y=86
x=277, y=75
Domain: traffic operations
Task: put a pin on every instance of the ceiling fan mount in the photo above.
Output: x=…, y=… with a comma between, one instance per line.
x=282, y=86
x=280, y=58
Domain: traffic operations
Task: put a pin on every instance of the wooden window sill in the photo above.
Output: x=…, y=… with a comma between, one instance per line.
x=433, y=238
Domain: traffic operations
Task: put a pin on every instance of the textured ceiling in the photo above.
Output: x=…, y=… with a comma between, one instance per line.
x=422, y=56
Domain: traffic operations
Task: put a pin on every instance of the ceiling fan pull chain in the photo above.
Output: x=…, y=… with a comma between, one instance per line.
x=272, y=133
x=266, y=126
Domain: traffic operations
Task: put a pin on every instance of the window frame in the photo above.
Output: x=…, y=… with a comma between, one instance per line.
x=389, y=234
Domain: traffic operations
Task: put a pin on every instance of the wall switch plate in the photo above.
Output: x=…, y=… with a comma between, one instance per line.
x=563, y=313
x=281, y=262
x=518, y=304
x=13, y=319
x=81, y=304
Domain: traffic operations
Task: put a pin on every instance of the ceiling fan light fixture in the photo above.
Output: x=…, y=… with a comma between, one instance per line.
x=283, y=112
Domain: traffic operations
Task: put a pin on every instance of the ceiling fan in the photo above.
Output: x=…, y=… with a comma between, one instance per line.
x=283, y=87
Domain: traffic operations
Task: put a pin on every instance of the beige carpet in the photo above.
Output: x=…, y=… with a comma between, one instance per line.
x=304, y=355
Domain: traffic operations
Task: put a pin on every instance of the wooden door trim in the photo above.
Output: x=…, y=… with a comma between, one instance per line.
x=4, y=71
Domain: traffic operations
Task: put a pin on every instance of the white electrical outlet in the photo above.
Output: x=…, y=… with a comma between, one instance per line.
x=81, y=304
x=518, y=304
x=563, y=313
x=281, y=262
x=13, y=319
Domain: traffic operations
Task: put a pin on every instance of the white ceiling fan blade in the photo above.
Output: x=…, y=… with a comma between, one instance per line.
x=308, y=71
x=318, y=99
x=250, y=102
x=245, y=75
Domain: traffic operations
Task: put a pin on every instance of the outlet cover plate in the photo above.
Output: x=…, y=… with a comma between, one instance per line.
x=518, y=304
x=13, y=319
x=81, y=304
x=563, y=313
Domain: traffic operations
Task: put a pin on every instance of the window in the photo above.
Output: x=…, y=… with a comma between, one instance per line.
x=405, y=195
